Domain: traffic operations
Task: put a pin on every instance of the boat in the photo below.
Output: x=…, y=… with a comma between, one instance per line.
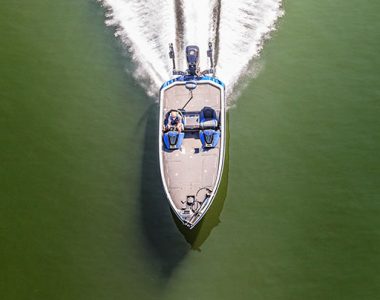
x=192, y=133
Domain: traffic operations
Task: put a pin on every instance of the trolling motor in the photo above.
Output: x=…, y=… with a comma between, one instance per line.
x=192, y=58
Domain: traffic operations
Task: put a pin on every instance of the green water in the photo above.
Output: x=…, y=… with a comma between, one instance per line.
x=82, y=211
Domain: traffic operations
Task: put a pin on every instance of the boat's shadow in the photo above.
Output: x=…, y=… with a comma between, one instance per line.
x=161, y=237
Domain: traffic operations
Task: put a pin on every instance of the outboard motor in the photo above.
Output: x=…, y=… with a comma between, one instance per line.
x=192, y=57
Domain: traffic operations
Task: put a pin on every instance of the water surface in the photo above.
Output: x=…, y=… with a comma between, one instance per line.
x=82, y=210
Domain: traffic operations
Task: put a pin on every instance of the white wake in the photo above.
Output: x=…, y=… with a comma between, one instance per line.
x=236, y=28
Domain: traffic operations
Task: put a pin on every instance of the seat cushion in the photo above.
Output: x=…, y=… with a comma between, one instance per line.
x=207, y=124
x=209, y=137
x=173, y=140
x=207, y=118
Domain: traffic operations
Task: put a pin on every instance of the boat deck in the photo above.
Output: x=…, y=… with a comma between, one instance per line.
x=191, y=170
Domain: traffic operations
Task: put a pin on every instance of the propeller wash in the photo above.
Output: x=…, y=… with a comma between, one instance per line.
x=237, y=30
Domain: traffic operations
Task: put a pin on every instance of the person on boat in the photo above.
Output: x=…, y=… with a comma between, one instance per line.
x=174, y=122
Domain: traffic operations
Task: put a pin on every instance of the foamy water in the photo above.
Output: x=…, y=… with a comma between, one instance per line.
x=236, y=28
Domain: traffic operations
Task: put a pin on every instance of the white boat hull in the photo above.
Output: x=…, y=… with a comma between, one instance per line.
x=192, y=173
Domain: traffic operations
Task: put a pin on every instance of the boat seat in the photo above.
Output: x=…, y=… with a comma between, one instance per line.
x=173, y=140
x=209, y=137
x=207, y=118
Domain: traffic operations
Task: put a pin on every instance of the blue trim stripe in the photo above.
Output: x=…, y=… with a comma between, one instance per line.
x=196, y=78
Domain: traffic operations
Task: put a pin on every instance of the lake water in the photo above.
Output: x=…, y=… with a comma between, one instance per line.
x=82, y=211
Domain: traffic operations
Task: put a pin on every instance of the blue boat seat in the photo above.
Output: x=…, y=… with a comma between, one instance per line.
x=207, y=118
x=209, y=137
x=173, y=140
